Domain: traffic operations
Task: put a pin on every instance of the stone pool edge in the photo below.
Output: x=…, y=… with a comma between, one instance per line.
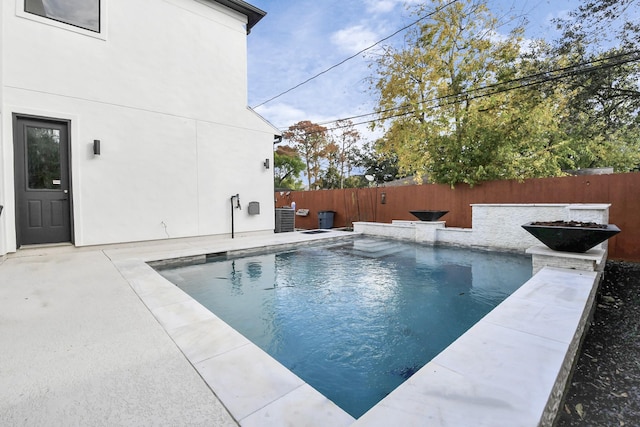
x=253, y=387
x=263, y=390
x=509, y=369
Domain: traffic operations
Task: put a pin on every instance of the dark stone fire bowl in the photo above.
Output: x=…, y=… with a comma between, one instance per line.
x=571, y=239
x=428, y=215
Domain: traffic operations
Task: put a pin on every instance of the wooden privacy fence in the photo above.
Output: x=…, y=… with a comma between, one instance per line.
x=384, y=204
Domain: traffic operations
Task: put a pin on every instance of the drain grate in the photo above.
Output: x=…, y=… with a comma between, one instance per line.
x=315, y=231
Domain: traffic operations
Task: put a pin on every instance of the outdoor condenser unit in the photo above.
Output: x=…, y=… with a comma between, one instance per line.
x=284, y=220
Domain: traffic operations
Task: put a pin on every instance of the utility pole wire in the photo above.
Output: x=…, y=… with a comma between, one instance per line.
x=355, y=54
x=525, y=81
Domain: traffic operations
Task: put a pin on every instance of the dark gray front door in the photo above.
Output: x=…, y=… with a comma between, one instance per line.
x=43, y=208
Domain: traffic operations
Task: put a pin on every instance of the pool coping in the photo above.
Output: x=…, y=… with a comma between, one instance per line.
x=508, y=369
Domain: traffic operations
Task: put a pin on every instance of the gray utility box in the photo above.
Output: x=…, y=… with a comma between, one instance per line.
x=254, y=208
x=285, y=218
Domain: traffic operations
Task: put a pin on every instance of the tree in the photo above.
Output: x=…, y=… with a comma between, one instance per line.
x=603, y=118
x=382, y=166
x=602, y=22
x=329, y=176
x=287, y=168
x=355, y=181
x=603, y=121
x=310, y=141
x=345, y=137
x=447, y=116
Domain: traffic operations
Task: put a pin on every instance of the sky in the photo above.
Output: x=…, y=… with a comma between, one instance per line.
x=298, y=39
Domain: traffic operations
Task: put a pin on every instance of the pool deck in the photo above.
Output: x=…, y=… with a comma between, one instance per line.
x=93, y=336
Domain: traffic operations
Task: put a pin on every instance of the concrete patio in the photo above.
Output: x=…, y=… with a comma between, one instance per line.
x=79, y=348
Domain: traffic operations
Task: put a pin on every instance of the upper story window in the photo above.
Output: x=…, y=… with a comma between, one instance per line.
x=80, y=13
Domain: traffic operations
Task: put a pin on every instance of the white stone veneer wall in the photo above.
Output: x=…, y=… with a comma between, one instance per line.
x=495, y=226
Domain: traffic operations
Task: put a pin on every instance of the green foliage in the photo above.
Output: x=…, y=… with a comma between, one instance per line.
x=598, y=23
x=453, y=129
x=383, y=166
x=329, y=179
x=287, y=168
x=462, y=105
x=602, y=121
x=355, y=181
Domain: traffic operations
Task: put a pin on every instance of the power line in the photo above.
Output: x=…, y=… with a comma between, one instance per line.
x=495, y=88
x=460, y=97
x=355, y=54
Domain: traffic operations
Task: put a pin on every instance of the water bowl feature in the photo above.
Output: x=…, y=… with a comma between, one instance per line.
x=571, y=236
x=428, y=215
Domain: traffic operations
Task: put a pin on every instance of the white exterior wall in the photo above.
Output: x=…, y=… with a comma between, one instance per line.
x=164, y=89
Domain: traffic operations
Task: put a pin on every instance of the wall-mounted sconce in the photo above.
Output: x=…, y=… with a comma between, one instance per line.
x=96, y=147
x=266, y=163
x=383, y=198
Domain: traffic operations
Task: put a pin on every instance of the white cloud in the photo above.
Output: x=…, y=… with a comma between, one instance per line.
x=381, y=6
x=281, y=114
x=386, y=6
x=353, y=39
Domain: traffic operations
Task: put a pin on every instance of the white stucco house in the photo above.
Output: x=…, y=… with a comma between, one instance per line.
x=125, y=121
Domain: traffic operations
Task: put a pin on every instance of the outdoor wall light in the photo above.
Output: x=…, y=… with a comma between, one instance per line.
x=266, y=163
x=383, y=198
x=96, y=147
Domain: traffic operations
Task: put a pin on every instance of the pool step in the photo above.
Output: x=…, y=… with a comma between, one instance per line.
x=374, y=248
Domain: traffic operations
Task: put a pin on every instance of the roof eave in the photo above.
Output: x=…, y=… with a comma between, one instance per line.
x=252, y=13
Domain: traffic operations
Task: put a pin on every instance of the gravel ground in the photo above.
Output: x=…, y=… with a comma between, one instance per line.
x=605, y=387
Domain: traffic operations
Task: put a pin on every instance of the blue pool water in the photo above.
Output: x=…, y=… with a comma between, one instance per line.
x=354, y=319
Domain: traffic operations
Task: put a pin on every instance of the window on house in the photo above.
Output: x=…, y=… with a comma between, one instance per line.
x=80, y=13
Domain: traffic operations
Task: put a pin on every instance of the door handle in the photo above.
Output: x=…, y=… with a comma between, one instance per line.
x=66, y=191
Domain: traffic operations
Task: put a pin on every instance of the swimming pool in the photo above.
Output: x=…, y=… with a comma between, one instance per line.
x=354, y=319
